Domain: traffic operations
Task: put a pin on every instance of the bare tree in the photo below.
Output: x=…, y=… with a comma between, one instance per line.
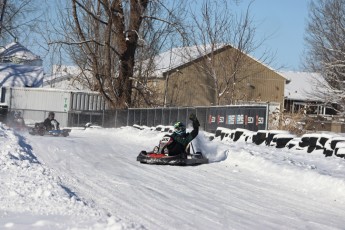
x=2, y=13
x=325, y=38
x=218, y=26
x=163, y=28
x=18, y=19
x=109, y=41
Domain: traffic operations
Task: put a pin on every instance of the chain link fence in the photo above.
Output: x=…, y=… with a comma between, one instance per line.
x=252, y=117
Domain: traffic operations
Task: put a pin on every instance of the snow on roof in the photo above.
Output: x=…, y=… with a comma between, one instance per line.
x=178, y=56
x=16, y=50
x=65, y=83
x=64, y=77
x=66, y=69
x=304, y=86
x=12, y=75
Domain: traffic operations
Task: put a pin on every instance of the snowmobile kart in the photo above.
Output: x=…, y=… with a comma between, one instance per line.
x=160, y=155
x=41, y=130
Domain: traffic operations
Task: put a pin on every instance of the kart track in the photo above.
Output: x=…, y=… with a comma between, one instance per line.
x=243, y=187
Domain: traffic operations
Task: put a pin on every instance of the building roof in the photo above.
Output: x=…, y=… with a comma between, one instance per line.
x=64, y=77
x=16, y=51
x=176, y=57
x=304, y=86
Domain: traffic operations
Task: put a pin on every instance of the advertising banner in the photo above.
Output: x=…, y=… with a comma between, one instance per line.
x=246, y=117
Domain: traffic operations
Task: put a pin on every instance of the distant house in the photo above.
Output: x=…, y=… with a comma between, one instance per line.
x=16, y=53
x=65, y=77
x=176, y=80
x=305, y=91
x=181, y=83
x=19, y=67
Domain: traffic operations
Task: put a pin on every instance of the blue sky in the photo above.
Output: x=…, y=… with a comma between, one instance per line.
x=286, y=20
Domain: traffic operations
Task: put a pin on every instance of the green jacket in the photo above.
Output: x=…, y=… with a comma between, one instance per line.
x=181, y=141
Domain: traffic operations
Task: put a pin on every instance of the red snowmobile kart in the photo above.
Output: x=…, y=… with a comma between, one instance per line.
x=160, y=155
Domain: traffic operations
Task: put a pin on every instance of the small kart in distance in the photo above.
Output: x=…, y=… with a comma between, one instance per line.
x=40, y=129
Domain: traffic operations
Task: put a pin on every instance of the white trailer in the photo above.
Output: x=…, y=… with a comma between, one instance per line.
x=36, y=103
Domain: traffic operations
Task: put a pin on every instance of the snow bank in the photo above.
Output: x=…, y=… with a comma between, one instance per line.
x=32, y=195
x=308, y=172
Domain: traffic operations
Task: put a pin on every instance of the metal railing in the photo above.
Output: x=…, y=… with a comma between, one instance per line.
x=252, y=117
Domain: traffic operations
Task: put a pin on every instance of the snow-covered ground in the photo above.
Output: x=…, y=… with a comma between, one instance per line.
x=91, y=180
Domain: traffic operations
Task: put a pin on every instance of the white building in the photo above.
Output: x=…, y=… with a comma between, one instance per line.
x=19, y=67
x=66, y=77
x=305, y=91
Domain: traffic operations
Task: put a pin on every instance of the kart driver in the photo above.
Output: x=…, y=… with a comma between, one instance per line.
x=180, y=138
x=50, y=123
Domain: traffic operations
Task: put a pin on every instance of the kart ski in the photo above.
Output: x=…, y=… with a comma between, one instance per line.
x=163, y=159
